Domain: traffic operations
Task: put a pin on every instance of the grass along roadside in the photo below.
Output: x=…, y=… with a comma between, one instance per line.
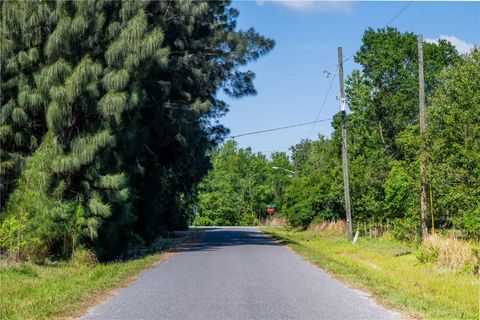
x=390, y=271
x=65, y=289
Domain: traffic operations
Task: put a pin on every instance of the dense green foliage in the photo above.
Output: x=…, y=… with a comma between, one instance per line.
x=384, y=142
x=240, y=186
x=383, y=139
x=383, y=98
x=316, y=192
x=108, y=109
x=454, y=146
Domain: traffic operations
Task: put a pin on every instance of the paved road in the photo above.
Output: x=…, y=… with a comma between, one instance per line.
x=237, y=273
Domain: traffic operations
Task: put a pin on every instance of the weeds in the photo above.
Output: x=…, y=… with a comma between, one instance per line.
x=451, y=253
x=273, y=222
x=335, y=226
x=390, y=270
x=84, y=257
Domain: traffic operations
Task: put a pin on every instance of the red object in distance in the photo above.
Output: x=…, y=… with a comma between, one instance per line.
x=270, y=210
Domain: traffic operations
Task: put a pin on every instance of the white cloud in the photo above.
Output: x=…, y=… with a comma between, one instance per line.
x=344, y=7
x=462, y=46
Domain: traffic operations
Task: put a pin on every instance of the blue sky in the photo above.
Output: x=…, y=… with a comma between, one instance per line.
x=290, y=80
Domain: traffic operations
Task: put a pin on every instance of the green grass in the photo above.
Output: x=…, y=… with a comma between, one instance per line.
x=391, y=272
x=62, y=290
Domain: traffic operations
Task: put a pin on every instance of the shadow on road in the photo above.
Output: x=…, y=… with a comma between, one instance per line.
x=218, y=238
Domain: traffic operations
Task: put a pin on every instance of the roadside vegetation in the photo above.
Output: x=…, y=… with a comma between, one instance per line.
x=61, y=290
x=398, y=274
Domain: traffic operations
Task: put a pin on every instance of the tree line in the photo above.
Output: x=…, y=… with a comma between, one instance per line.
x=383, y=145
x=108, y=109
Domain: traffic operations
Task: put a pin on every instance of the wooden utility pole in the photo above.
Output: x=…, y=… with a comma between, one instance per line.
x=343, y=111
x=423, y=152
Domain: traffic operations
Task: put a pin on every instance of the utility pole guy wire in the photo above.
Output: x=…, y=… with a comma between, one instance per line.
x=343, y=111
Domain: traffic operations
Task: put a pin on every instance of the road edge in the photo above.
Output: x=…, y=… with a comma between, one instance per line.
x=405, y=315
x=179, y=245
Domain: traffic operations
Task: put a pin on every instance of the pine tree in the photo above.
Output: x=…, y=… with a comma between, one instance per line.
x=118, y=99
x=24, y=28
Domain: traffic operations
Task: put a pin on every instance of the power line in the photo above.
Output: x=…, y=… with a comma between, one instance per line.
x=326, y=96
x=278, y=128
x=399, y=13
x=349, y=57
x=389, y=22
x=323, y=105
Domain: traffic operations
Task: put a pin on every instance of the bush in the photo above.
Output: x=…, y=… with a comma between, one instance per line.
x=248, y=219
x=398, y=191
x=299, y=216
x=84, y=257
x=13, y=239
x=406, y=229
x=471, y=223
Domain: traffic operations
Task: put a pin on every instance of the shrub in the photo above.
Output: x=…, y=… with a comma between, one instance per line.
x=13, y=239
x=471, y=223
x=84, y=257
x=299, y=216
x=248, y=219
x=406, y=229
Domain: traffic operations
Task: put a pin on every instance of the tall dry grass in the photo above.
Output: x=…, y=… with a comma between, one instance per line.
x=335, y=226
x=451, y=253
x=273, y=222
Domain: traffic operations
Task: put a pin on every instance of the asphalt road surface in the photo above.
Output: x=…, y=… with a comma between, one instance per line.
x=237, y=273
